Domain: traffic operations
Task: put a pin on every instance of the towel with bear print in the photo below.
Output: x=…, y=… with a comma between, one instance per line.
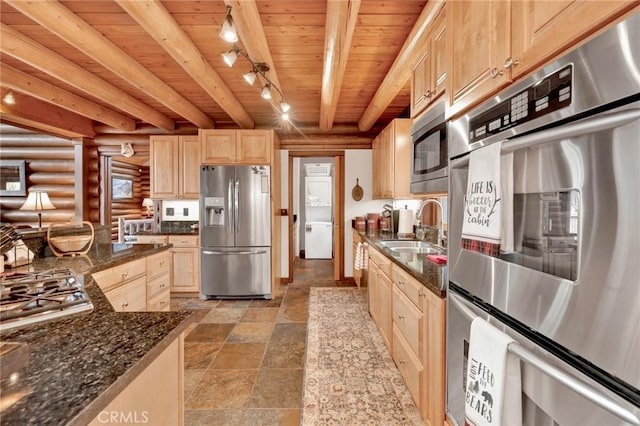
x=493, y=394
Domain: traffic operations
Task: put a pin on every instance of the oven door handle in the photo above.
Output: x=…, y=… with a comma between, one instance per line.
x=544, y=367
x=593, y=124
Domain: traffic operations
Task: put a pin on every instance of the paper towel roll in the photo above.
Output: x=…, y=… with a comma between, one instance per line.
x=405, y=221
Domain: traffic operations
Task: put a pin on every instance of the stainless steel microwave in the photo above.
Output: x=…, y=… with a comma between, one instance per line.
x=429, y=153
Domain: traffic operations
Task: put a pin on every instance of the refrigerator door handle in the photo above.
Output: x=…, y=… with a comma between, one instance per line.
x=237, y=204
x=222, y=253
x=544, y=367
x=230, y=214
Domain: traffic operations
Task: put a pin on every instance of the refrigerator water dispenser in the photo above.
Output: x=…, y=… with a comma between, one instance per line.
x=214, y=211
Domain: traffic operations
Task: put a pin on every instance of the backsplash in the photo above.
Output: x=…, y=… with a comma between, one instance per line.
x=178, y=227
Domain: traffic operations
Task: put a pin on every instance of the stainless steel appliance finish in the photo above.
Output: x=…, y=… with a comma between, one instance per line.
x=570, y=292
x=429, y=153
x=235, y=231
x=32, y=297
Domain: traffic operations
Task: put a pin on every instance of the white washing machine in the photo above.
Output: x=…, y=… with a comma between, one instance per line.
x=318, y=240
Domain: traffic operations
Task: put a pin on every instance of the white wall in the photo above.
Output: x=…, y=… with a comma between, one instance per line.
x=357, y=164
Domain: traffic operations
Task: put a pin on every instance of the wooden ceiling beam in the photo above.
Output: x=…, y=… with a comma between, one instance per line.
x=21, y=47
x=46, y=118
x=22, y=82
x=250, y=30
x=65, y=24
x=342, y=17
x=158, y=22
x=400, y=70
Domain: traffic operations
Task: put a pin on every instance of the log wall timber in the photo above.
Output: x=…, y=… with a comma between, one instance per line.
x=145, y=188
x=50, y=167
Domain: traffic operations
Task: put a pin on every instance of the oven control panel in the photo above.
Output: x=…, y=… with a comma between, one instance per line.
x=547, y=95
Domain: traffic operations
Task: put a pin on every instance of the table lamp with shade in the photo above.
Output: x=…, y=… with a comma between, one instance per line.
x=148, y=203
x=38, y=201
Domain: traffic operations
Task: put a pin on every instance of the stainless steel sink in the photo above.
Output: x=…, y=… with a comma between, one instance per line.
x=395, y=244
x=411, y=246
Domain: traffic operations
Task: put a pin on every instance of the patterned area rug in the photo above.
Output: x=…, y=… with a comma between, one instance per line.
x=350, y=378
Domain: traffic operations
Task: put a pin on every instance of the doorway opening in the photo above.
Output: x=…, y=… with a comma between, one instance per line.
x=316, y=203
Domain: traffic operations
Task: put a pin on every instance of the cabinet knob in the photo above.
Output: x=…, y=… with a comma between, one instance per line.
x=420, y=293
x=124, y=305
x=511, y=63
x=163, y=302
x=125, y=275
x=163, y=285
x=428, y=94
x=400, y=316
x=402, y=361
x=496, y=72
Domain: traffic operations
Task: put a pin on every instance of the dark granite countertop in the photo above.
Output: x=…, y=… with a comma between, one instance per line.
x=430, y=274
x=170, y=232
x=78, y=364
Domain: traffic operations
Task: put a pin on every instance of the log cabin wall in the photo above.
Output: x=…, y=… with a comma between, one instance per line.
x=50, y=166
x=128, y=208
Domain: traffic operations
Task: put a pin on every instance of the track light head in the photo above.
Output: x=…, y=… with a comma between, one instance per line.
x=285, y=107
x=9, y=99
x=250, y=77
x=228, y=32
x=230, y=57
x=266, y=92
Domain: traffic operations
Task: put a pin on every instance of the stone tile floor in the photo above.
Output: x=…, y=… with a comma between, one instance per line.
x=244, y=359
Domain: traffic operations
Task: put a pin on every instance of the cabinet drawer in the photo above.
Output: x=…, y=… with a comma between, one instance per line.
x=161, y=284
x=151, y=239
x=118, y=275
x=409, y=366
x=409, y=285
x=130, y=297
x=161, y=302
x=158, y=264
x=408, y=319
x=381, y=260
x=184, y=240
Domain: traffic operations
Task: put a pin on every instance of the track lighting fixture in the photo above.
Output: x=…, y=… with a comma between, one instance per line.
x=9, y=99
x=266, y=93
x=259, y=70
x=228, y=32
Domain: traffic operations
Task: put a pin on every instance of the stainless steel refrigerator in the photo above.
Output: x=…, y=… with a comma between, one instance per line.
x=235, y=232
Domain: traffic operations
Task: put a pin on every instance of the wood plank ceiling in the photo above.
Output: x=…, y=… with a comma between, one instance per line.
x=129, y=64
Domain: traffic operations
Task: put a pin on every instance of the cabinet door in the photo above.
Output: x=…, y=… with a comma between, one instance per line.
x=480, y=44
x=131, y=297
x=218, y=146
x=439, y=56
x=164, y=166
x=387, y=161
x=384, y=313
x=254, y=147
x=543, y=29
x=376, y=160
x=186, y=271
x=421, y=82
x=373, y=290
x=434, y=356
x=189, y=167
x=402, y=158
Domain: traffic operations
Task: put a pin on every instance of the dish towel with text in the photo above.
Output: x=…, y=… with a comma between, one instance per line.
x=493, y=394
x=487, y=225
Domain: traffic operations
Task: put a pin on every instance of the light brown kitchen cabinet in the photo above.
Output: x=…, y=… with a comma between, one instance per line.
x=186, y=264
x=164, y=404
x=175, y=167
x=380, y=294
x=237, y=146
x=493, y=43
x=391, y=160
x=159, y=281
x=428, y=77
x=419, y=345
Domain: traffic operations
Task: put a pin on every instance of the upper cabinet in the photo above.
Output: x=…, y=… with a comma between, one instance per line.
x=391, y=152
x=237, y=146
x=175, y=167
x=493, y=43
x=429, y=75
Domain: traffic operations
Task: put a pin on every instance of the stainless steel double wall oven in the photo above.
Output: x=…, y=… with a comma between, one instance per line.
x=570, y=291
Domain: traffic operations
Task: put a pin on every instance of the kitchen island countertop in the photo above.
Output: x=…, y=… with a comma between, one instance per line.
x=79, y=363
x=430, y=274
